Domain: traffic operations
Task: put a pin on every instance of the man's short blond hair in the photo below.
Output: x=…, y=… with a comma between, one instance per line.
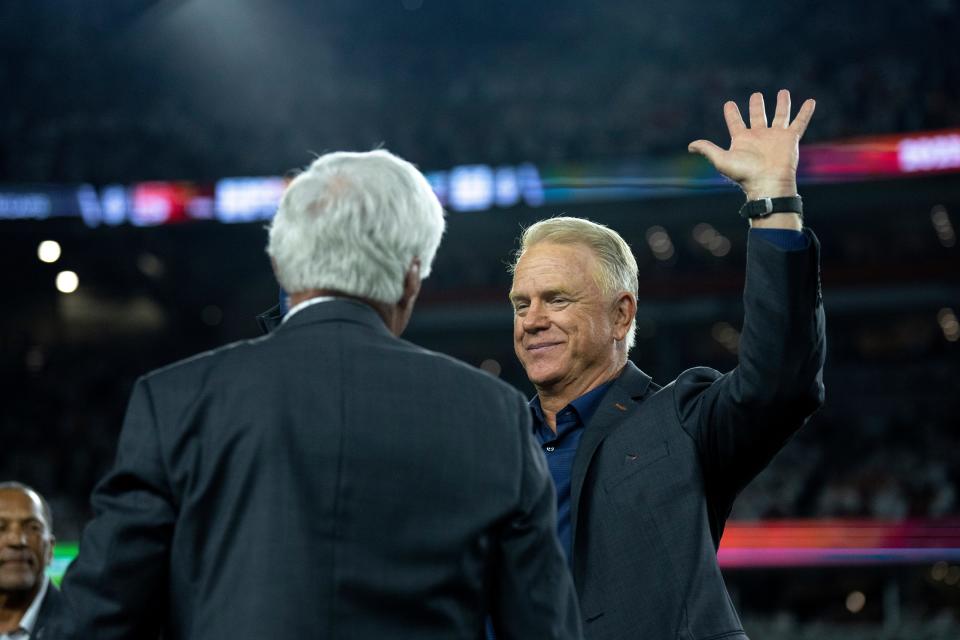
x=617, y=271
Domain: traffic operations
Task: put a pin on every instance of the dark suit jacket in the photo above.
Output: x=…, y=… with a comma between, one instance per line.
x=325, y=481
x=49, y=610
x=657, y=469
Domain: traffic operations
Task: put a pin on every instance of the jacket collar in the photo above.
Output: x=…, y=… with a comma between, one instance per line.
x=49, y=609
x=627, y=391
x=339, y=310
x=270, y=319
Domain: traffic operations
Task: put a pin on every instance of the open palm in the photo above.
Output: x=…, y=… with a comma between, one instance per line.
x=762, y=159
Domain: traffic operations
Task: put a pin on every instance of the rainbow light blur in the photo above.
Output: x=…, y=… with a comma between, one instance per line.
x=808, y=543
x=879, y=157
x=790, y=543
x=472, y=188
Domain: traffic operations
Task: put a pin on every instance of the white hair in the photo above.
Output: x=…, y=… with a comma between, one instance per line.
x=617, y=270
x=353, y=222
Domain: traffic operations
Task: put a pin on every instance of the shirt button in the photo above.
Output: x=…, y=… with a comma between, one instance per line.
x=549, y=448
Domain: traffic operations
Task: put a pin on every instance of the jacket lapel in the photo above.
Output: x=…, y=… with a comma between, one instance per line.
x=49, y=608
x=630, y=387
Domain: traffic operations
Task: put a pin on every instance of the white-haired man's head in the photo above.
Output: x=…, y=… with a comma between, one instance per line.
x=616, y=267
x=355, y=223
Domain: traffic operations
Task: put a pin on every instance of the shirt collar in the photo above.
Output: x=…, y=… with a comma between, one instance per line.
x=309, y=302
x=29, y=619
x=584, y=406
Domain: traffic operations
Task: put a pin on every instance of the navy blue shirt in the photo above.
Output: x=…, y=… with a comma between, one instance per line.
x=561, y=447
x=785, y=239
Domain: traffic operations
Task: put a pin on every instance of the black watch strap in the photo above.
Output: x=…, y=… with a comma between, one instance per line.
x=765, y=206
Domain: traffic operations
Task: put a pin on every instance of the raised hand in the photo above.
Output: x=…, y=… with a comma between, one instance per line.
x=761, y=159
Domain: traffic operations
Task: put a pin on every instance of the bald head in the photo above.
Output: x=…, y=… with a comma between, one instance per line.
x=26, y=540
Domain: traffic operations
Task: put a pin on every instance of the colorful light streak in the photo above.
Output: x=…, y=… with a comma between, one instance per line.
x=486, y=188
x=806, y=543
x=792, y=543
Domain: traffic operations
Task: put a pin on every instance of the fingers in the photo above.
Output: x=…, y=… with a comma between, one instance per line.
x=734, y=121
x=781, y=118
x=803, y=117
x=758, y=113
x=707, y=149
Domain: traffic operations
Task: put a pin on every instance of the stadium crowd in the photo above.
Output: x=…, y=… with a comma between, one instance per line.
x=507, y=99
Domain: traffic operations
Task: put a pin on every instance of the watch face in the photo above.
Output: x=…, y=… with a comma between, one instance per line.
x=756, y=208
x=765, y=206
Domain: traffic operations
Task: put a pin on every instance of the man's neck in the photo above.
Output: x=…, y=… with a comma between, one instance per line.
x=388, y=313
x=554, y=399
x=13, y=605
x=302, y=296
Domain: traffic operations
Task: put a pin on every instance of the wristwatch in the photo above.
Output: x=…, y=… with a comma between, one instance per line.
x=765, y=206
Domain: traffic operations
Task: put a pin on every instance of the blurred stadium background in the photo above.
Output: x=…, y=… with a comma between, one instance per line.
x=144, y=144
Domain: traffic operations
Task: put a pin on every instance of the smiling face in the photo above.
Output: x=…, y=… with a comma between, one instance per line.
x=567, y=333
x=26, y=544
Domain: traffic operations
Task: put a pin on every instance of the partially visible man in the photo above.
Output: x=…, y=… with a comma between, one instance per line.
x=328, y=480
x=27, y=598
x=646, y=475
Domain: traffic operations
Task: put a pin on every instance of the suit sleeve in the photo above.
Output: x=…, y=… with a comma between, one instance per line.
x=742, y=418
x=534, y=595
x=116, y=586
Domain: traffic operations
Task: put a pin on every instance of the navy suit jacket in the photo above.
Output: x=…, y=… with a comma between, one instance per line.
x=328, y=480
x=657, y=469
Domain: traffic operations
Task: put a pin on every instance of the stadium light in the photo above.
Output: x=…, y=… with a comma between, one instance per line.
x=660, y=243
x=67, y=282
x=49, y=251
x=856, y=601
x=491, y=366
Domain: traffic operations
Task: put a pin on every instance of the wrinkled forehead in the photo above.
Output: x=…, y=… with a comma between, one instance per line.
x=20, y=504
x=557, y=266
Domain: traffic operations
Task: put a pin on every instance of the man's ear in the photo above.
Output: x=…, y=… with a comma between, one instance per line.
x=624, y=311
x=49, y=558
